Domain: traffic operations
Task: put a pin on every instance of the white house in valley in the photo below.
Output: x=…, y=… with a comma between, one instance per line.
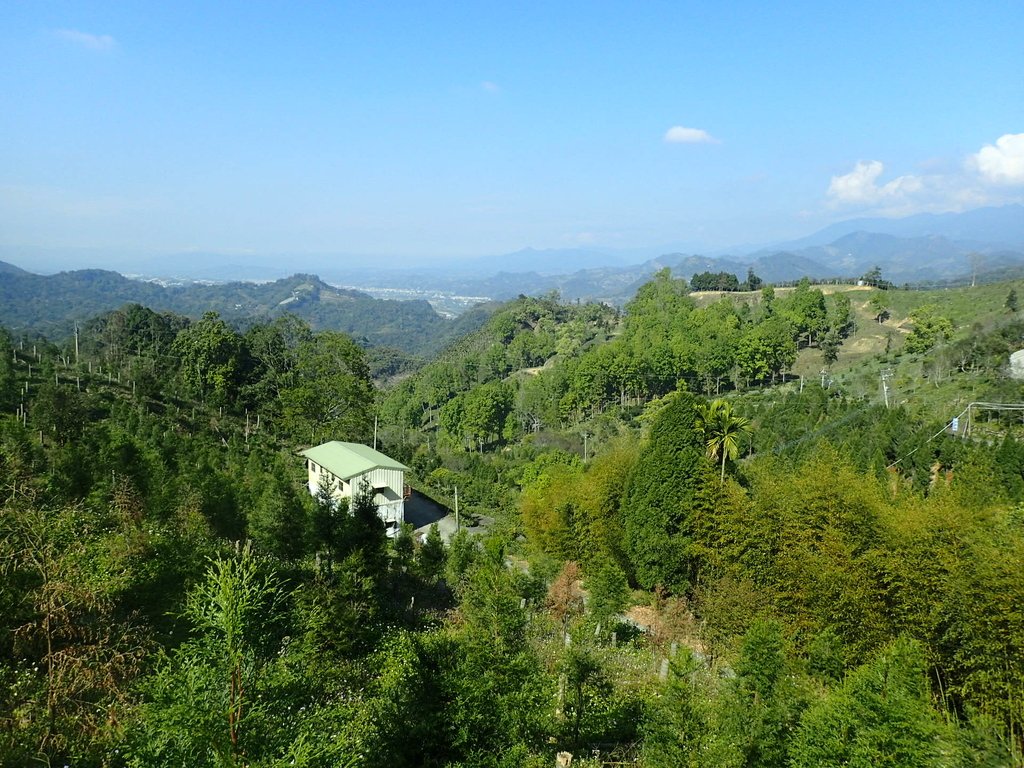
x=346, y=466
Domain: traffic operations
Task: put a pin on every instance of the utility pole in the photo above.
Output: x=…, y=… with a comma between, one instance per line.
x=375, y=432
x=76, y=343
x=458, y=524
x=586, y=455
x=887, y=375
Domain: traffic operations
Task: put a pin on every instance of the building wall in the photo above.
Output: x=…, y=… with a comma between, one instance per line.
x=389, y=485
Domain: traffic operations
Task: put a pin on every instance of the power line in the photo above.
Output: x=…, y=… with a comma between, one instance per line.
x=954, y=423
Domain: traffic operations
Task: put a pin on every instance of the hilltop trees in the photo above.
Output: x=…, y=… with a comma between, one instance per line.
x=574, y=372
x=806, y=311
x=133, y=330
x=721, y=281
x=873, y=277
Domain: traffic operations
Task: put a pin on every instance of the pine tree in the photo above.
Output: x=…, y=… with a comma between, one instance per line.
x=431, y=557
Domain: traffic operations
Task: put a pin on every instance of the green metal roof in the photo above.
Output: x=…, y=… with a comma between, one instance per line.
x=346, y=460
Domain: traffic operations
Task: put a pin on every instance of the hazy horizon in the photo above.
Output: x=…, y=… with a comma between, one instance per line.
x=406, y=136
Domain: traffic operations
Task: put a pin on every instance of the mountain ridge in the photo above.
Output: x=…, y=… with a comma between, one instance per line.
x=53, y=303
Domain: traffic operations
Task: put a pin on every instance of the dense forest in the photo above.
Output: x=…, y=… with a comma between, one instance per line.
x=703, y=530
x=54, y=304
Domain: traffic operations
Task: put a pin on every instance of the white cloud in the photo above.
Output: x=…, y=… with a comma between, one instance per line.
x=860, y=186
x=992, y=176
x=678, y=134
x=1002, y=163
x=87, y=39
x=489, y=86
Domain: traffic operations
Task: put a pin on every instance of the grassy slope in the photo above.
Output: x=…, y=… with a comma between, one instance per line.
x=930, y=384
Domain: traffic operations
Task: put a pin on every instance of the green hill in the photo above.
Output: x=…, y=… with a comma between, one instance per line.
x=51, y=304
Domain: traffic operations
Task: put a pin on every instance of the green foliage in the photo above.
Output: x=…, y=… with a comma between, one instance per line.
x=278, y=520
x=364, y=533
x=765, y=350
x=586, y=686
x=840, y=315
x=337, y=617
x=929, y=329
x=659, y=497
x=229, y=696
x=481, y=416
x=728, y=607
x=551, y=513
x=329, y=396
x=762, y=705
x=880, y=715
x=431, y=558
x=608, y=587
x=805, y=309
x=8, y=385
x=59, y=411
x=829, y=345
x=1011, y=302
x=679, y=731
x=720, y=281
x=403, y=547
x=211, y=355
x=809, y=544
x=721, y=430
x=826, y=656
x=501, y=685
x=878, y=307
x=462, y=553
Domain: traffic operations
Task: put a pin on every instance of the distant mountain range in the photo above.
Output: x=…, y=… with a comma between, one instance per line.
x=921, y=249
x=1001, y=227
x=926, y=248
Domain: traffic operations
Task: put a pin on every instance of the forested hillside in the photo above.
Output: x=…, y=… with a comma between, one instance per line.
x=705, y=536
x=52, y=304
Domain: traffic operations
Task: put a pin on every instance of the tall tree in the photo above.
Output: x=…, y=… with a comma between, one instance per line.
x=330, y=395
x=212, y=359
x=657, y=506
x=722, y=430
x=930, y=328
x=204, y=705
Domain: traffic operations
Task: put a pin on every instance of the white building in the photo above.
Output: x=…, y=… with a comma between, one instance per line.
x=346, y=466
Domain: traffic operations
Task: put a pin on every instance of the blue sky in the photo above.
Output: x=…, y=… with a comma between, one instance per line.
x=417, y=131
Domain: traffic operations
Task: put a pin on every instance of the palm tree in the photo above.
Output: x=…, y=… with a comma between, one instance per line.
x=722, y=430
